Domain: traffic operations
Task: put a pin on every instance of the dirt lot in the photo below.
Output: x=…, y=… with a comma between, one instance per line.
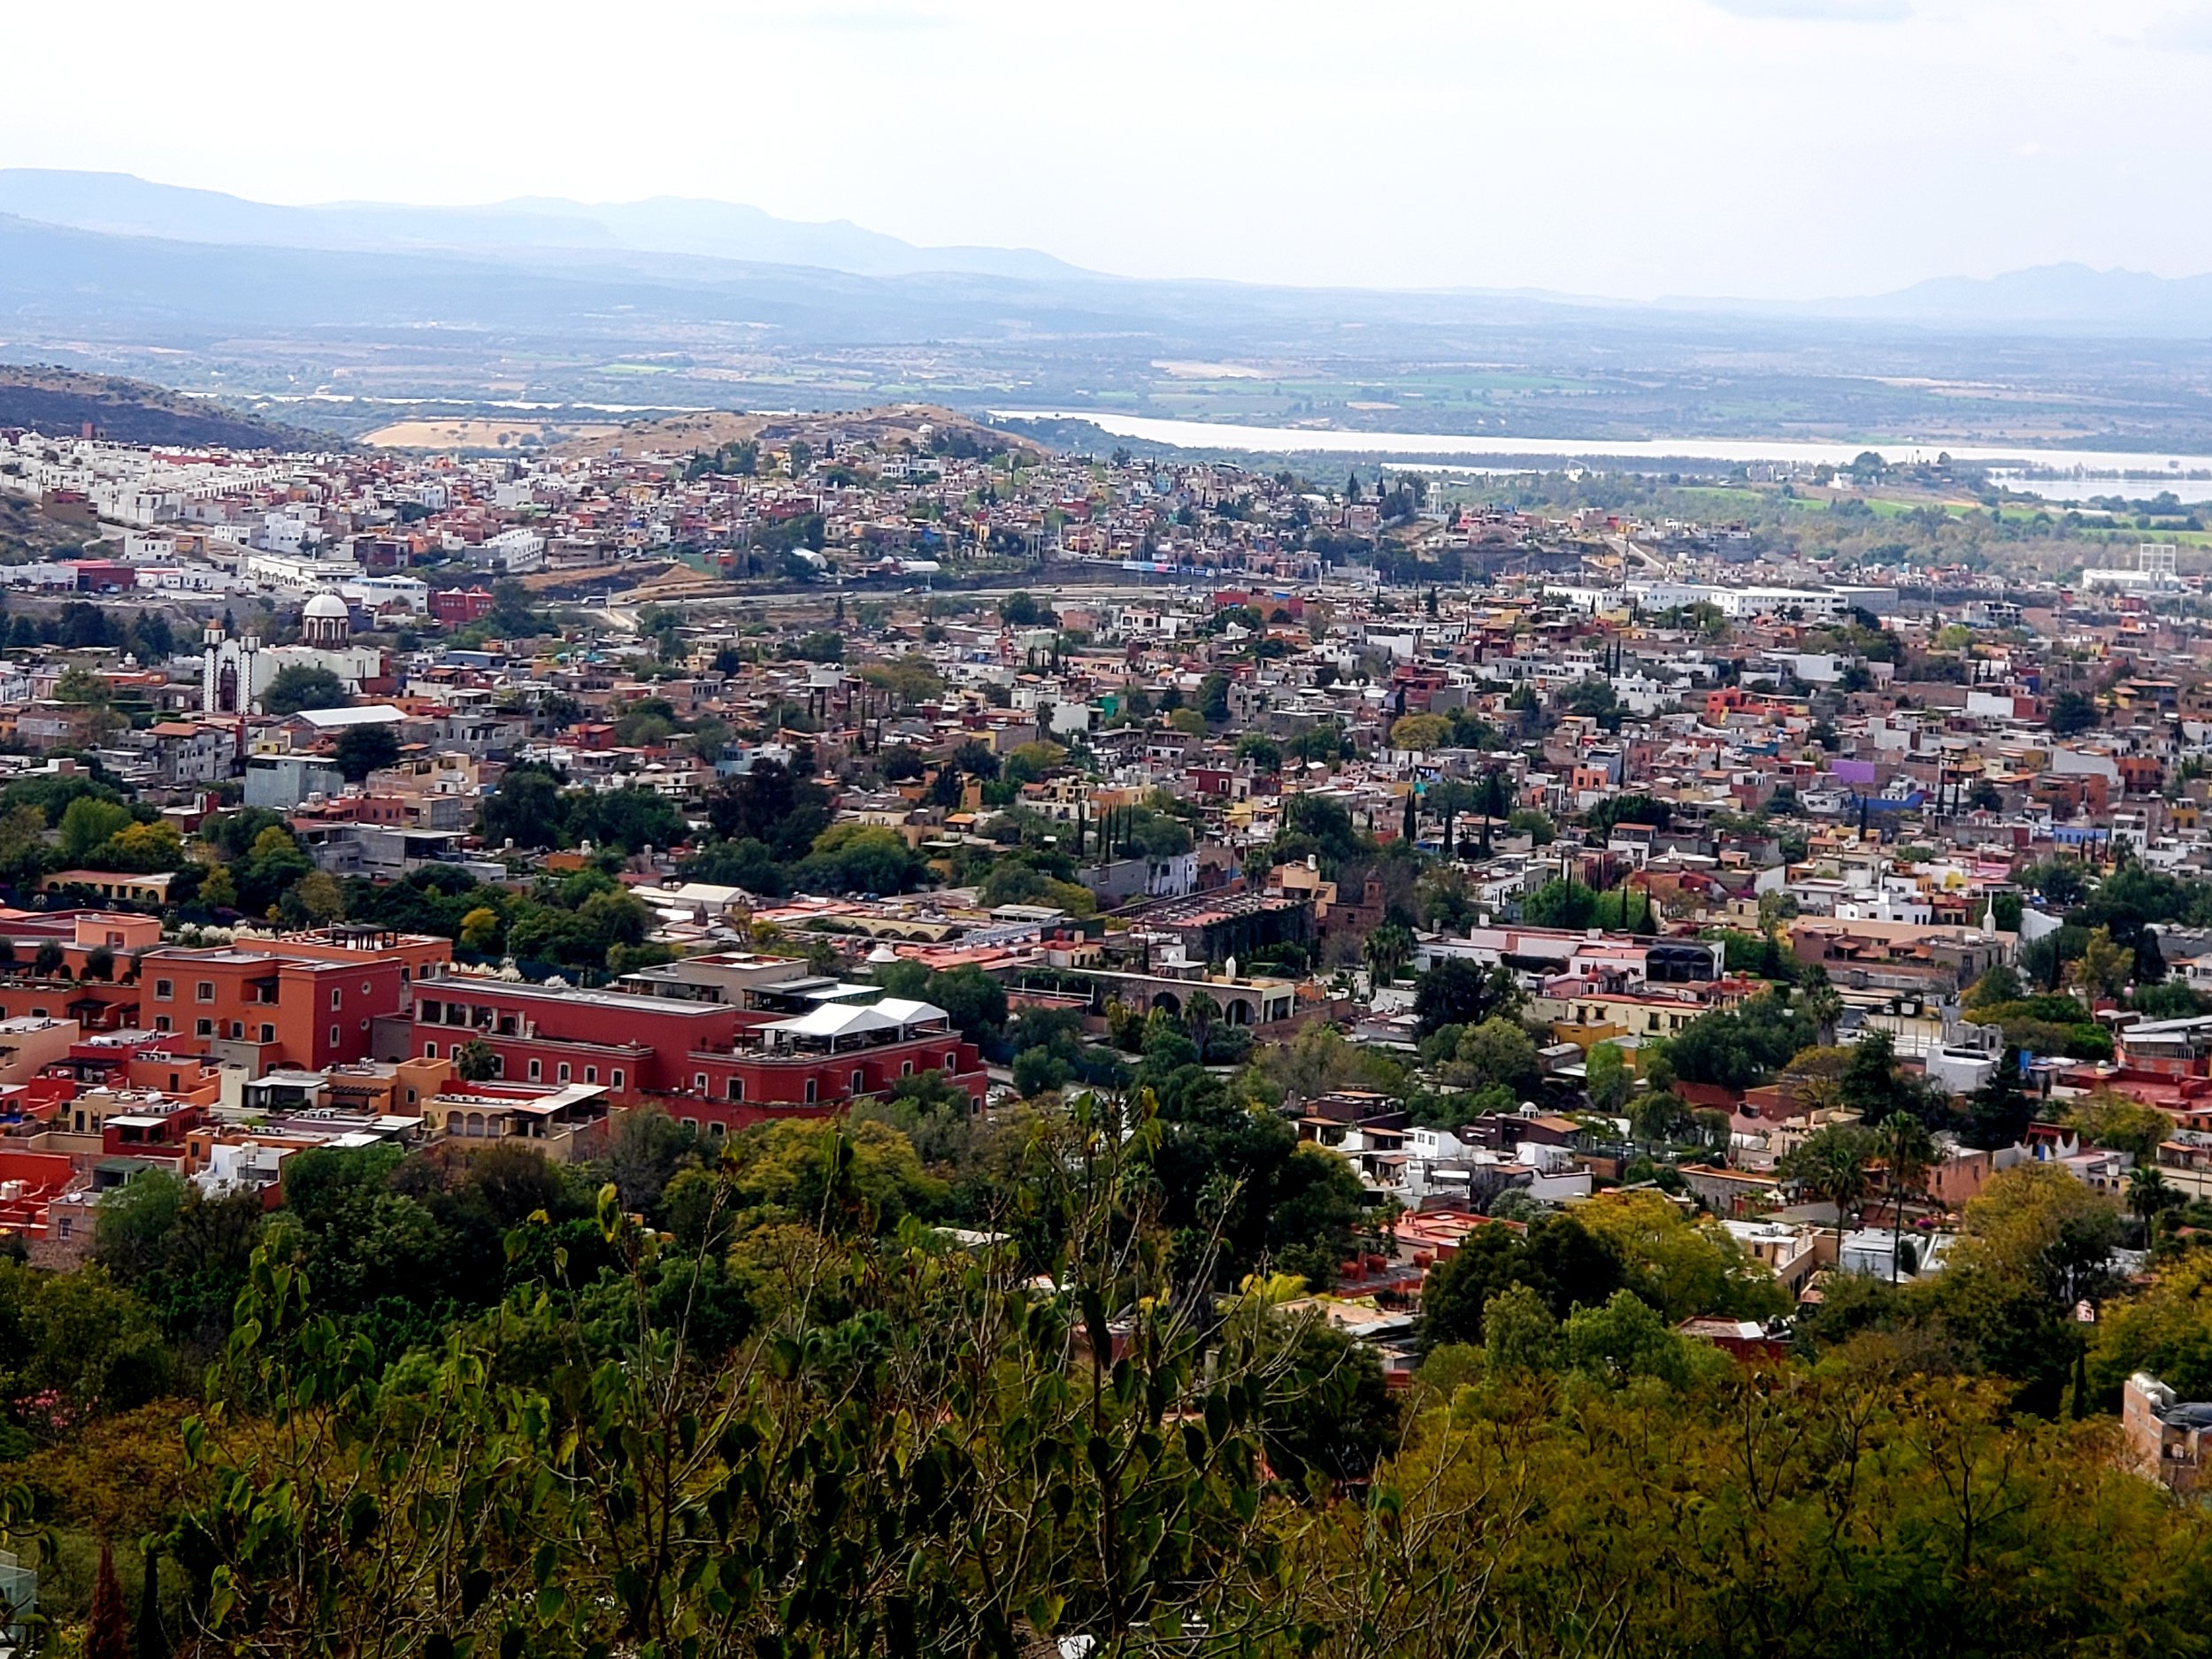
x=482, y=434
x=686, y=434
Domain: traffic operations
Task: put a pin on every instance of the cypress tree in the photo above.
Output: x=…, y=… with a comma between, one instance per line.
x=107, y=1629
x=153, y=1641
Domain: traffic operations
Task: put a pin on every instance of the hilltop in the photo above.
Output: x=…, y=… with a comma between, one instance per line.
x=888, y=428
x=59, y=402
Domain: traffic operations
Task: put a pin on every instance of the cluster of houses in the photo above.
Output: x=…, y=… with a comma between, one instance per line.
x=1752, y=760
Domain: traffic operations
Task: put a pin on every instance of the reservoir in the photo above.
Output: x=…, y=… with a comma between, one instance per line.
x=2060, y=474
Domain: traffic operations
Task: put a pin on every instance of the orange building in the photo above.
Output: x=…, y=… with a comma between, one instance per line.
x=281, y=1007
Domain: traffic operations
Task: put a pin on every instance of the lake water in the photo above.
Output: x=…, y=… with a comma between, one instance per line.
x=2061, y=474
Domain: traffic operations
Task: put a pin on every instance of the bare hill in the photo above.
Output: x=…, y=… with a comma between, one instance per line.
x=923, y=425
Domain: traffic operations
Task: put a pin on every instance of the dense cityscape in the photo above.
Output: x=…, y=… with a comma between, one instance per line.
x=952, y=1045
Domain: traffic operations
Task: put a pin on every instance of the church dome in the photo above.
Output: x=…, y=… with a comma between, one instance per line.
x=325, y=620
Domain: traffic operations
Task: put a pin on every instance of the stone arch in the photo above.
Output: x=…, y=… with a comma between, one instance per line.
x=1238, y=1011
x=1169, y=1001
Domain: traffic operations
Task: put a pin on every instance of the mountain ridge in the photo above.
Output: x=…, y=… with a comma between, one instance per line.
x=120, y=203
x=674, y=237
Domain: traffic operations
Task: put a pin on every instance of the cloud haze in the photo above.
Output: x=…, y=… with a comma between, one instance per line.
x=1781, y=148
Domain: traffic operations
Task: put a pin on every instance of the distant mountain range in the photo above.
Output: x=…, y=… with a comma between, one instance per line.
x=532, y=230
x=117, y=204
x=507, y=262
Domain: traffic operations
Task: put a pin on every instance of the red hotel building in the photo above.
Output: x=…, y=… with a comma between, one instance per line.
x=307, y=1001
x=740, y=1064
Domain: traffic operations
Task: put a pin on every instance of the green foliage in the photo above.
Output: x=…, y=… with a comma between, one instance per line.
x=1456, y=992
x=531, y=809
x=1314, y=826
x=858, y=858
x=975, y=1001
x=295, y=688
x=1738, y=1048
x=362, y=750
x=87, y=824
x=1557, y=1258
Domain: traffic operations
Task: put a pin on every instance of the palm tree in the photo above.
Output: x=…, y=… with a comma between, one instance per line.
x=1200, y=1015
x=1831, y=1165
x=2148, y=1193
x=1822, y=1004
x=1387, y=949
x=1907, y=1153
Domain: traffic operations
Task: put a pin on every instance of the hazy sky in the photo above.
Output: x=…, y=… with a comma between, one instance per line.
x=1783, y=148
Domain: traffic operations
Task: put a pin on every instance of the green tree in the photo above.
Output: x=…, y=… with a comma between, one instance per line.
x=1831, y=1165
x=2000, y=1111
x=295, y=688
x=525, y=808
x=1562, y=1261
x=1907, y=1153
x=362, y=750
x=1606, y=1077
x=2103, y=968
x=1456, y=992
x=89, y=824
x=2072, y=712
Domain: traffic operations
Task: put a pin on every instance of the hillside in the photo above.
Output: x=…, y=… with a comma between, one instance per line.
x=59, y=402
x=886, y=428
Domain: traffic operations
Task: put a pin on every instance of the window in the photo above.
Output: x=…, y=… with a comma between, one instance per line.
x=737, y=1088
x=161, y=1022
x=591, y=1074
x=430, y=1010
x=614, y=1078
x=537, y=1071
x=334, y=1036
x=366, y=987
x=165, y=990
x=430, y=1052
x=699, y=1081
x=564, y=1071
x=237, y=1030
x=952, y=1064
x=713, y=1130
x=204, y=991
x=810, y=1091
x=691, y=1123
x=204, y=1028
x=268, y=1032
x=906, y=1068
x=860, y=1081
x=337, y=999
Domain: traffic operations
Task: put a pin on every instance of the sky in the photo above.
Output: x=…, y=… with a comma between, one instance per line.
x=1770, y=149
